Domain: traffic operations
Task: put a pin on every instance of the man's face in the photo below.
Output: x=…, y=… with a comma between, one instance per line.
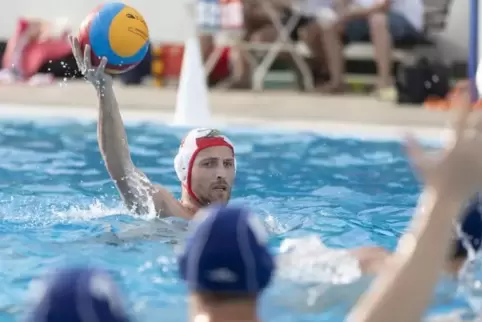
x=213, y=174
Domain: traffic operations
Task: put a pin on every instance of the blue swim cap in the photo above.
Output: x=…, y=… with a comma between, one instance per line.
x=471, y=227
x=226, y=251
x=76, y=295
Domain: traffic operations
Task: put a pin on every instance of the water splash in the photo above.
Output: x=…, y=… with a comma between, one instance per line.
x=95, y=210
x=315, y=276
x=307, y=260
x=274, y=226
x=470, y=283
x=470, y=276
x=143, y=191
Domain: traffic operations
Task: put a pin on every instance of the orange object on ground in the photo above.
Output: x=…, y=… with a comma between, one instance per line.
x=35, y=51
x=157, y=65
x=478, y=104
x=447, y=102
x=433, y=103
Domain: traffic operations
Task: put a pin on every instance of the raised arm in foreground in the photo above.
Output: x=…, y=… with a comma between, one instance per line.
x=402, y=292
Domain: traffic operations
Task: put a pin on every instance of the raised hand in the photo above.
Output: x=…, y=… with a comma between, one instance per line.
x=458, y=166
x=95, y=75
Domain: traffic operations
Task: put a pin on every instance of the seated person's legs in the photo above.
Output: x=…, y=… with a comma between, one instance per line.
x=382, y=42
x=375, y=29
x=206, y=43
x=262, y=30
x=269, y=34
x=386, y=29
x=221, y=68
x=311, y=35
x=401, y=29
x=307, y=31
x=332, y=35
x=382, y=29
x=241, y=67
x=257, y=26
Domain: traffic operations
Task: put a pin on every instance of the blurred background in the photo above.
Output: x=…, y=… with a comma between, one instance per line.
x=235, y=51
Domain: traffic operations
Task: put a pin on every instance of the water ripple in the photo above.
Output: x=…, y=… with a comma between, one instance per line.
x=58, y=205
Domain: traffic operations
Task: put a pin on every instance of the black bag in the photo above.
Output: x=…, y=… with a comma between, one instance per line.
x=416, y=82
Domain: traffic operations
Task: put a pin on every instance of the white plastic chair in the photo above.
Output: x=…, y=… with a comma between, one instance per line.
x=282, y=44
x=225, y=20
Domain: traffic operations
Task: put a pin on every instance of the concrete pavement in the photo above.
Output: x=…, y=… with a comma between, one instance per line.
x=269, y=106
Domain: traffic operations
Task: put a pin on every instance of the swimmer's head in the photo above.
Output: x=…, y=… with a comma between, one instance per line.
x=226, y=255
x=471, y=228
x=206, y=166
x=76, y=294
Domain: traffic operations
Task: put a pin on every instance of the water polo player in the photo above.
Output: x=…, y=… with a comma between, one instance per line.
x=76, y=293
x=226, y=264
x=205, y=163
x=372, y=259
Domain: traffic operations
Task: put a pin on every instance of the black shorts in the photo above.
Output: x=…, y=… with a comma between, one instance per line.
x=303, y=21
x=399, y=27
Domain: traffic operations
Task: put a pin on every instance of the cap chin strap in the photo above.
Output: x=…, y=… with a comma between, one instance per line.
x=193, y=195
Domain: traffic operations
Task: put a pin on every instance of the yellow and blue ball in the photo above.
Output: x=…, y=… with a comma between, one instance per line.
x=119, y=33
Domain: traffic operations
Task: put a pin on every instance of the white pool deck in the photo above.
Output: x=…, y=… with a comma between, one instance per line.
x=332, y=115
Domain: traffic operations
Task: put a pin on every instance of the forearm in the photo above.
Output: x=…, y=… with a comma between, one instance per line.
x=111, y=134
x=407, y=283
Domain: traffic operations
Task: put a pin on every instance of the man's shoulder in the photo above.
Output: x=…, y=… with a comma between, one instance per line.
x=167, y=205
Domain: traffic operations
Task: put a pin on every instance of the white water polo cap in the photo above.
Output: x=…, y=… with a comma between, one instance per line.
x=194, y=142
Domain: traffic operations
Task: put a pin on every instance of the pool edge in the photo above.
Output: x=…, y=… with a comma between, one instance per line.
x=327, y=128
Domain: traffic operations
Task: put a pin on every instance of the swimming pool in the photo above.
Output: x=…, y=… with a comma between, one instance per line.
x=58, y=204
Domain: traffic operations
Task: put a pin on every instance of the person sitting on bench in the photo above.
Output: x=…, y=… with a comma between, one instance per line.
x=381, y=21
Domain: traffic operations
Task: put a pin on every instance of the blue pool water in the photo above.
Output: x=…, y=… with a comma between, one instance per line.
x=58, y=205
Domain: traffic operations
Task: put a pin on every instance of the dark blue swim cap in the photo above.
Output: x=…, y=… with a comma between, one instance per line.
x=226, y=251
x=471, y=227
x=77, y=294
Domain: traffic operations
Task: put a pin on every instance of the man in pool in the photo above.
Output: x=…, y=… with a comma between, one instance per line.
x=205, y=163
x=372, y=259
x=226, y=264
x=76, y=293
x=377, y=261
